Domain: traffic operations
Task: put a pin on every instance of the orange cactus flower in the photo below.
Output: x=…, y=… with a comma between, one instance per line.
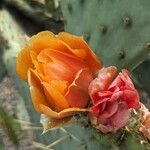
x=59, y=69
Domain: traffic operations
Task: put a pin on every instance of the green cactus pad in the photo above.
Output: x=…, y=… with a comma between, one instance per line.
x=118, y=31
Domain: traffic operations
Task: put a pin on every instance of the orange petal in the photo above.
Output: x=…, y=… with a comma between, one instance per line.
x=64, y=113
x=74, y=62
x=77, y=97
x=76, y=42
x=61, y=66
x=57, y=71
x=83, y=79
x=61, y=86
x=77, y=94
x=36, y=91
x=47, y=39
x=37, y=98
x=81, y=53
x=40, y=41
x=55, y=97
x=23, y=63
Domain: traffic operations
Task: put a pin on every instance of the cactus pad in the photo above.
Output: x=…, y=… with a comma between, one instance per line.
x=118, y=31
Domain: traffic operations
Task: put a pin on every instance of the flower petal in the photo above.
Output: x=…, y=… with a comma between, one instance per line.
x=64, y=113
x=76, y=42
x=81, y=53
x=102, y=82
x=126, y=87
x=58, y=71
x=23, y=63
x=60, y=85
x=110, y=109
x=36, y=91
x=77, y=94
x=47, y=39
x=77, y=97
x=131, y=98
x=54, y=69
x=104, y=110
x=115, y=122
x=122, y=81
x=72, y=61
x=55, y=97
x=121, y=117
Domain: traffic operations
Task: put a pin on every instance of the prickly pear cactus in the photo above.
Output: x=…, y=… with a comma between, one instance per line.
x=117, y=30
x=118, y=38
x=119, y=34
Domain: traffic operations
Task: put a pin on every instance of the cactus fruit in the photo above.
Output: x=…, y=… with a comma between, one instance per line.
x=118, y=31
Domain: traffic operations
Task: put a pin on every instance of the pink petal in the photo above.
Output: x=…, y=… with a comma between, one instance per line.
x=131, y=98
x=114, y=122
x=101, y=83
x=123, y=81
x=110, y=109
x=127, y=90
x=98, y=109
x=121, y=117
x=116, y=96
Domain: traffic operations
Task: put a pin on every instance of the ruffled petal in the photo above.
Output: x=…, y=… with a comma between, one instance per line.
x=128, y=93
x=47, y=39
x=115, y=122
x=76, y=42
x=54, y=68
x=23, y=63
x=104, y=110
x=72, y=61
x=64, y=113
x=131, y=98
x=110, y=109
x=121, y=117
x=77, y=94
x=123, y=81
x=102, y=82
